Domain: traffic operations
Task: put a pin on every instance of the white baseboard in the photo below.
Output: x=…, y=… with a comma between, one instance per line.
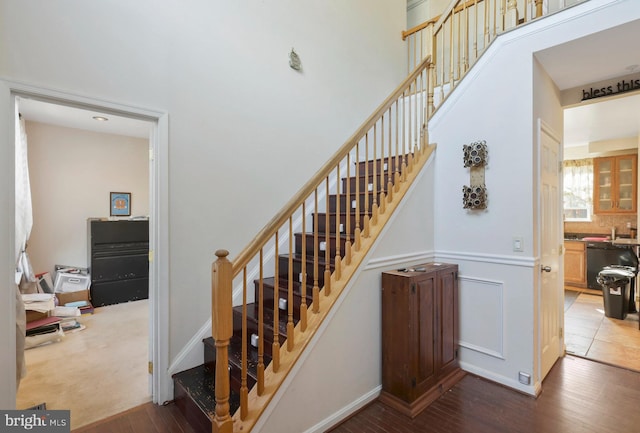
x=502, y=380
x=346, y=411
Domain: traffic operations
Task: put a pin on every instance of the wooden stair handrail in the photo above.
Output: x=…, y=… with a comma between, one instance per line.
x=436, y=19
x=445, y=15
x=276, y=222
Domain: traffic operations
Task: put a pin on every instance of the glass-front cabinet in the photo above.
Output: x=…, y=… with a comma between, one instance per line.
x=615, y=184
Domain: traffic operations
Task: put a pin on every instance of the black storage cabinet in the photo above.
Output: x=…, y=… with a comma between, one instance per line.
x=118, y=260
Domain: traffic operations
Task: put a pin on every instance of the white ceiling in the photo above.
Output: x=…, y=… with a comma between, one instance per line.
x=600, y=56
x=78, y=118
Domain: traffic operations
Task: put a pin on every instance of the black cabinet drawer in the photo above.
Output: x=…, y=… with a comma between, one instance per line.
x=119, y=267
x=116, y=292
x=118, y=232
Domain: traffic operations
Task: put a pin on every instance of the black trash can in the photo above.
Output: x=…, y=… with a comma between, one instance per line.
x=615, y=282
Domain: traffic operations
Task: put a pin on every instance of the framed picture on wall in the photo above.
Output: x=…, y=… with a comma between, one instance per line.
x=120, y=203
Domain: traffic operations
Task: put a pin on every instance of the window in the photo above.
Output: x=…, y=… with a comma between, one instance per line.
x=578, y=190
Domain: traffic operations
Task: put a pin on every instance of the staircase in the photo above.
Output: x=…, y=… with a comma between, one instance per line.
x=329, y=226
x=194, y=388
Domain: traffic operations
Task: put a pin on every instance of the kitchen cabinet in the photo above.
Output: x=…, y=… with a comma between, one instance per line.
x=615, y=185
x=575, y=263
x=419, y=336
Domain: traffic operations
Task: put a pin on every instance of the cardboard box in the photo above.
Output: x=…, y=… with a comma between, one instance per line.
x=35, y=315
x=80, y=295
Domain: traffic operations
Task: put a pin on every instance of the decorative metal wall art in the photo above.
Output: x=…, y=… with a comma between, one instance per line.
x=474, y=197
x=475, y=157
x=475, y=154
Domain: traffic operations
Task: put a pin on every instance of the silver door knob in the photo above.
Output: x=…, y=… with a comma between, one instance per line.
x=546, y=269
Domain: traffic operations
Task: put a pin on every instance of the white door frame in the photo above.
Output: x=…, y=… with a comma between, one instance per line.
x=161, y=386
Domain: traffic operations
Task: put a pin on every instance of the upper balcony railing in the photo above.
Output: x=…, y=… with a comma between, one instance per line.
x=458, y=37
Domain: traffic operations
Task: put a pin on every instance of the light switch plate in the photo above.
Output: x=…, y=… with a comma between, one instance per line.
x=518, y=244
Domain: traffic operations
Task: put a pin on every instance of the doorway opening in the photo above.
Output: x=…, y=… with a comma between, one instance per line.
x=601, y=131
x=74, y=156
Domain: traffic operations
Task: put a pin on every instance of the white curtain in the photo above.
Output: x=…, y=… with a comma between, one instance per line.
x=24, y=215
x=578, y=187
x=24, y=223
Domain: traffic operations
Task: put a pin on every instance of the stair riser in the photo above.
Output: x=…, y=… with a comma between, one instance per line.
x=380, y=165
x=322, y=244
x=322, y=222
x=284, y=295
x=235, y=372
x=252, y=327
x=192, y=413
x=283, y=266
x=365, y=184
x=351, y=206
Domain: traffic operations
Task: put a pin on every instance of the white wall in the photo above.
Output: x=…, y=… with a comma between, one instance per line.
x=245, y=130
x=72, y=173
x=499, y=101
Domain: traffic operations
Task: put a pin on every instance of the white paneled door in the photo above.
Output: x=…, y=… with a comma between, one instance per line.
x=550, y=320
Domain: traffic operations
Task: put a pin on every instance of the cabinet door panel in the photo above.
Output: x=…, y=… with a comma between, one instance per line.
x=448, y=319
x=396, y=336
x=615, y=185
x=424, y=333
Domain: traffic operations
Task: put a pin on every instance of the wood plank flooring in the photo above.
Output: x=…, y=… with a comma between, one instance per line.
x=579, y=396
x=146, y=418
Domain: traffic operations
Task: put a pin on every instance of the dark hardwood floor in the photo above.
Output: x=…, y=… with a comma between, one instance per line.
x=146, y=418
x=578, y=395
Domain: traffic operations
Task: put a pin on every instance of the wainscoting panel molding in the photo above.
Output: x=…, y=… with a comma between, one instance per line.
x=482, y=315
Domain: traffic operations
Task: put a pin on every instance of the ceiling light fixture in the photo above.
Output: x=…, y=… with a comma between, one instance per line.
x=100, y=118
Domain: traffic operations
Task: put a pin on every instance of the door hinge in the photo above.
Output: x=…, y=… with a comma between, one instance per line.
x=150, y=154
x=150, y=367
x=413, y=287
x=150, y=256
x=561, y=249
x=413, y=382
x=561, y=332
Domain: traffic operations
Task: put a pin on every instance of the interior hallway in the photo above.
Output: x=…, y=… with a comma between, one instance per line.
x=95, y=373
x=589, y=333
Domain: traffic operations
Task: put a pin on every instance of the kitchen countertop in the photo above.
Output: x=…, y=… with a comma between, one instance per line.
x=626, y=241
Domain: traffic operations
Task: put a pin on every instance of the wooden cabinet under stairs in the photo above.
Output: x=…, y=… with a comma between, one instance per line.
x=193, y=389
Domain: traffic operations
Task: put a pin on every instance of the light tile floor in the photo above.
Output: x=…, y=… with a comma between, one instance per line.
x=588, y=333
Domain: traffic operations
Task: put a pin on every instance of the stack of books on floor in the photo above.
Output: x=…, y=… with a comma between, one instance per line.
x=48, y=323
x=42, y=331
x=84, y=307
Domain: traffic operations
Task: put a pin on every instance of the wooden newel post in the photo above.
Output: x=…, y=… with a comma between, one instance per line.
x=222, y=330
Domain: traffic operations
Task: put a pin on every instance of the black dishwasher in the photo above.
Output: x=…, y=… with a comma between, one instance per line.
x=601, y=254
